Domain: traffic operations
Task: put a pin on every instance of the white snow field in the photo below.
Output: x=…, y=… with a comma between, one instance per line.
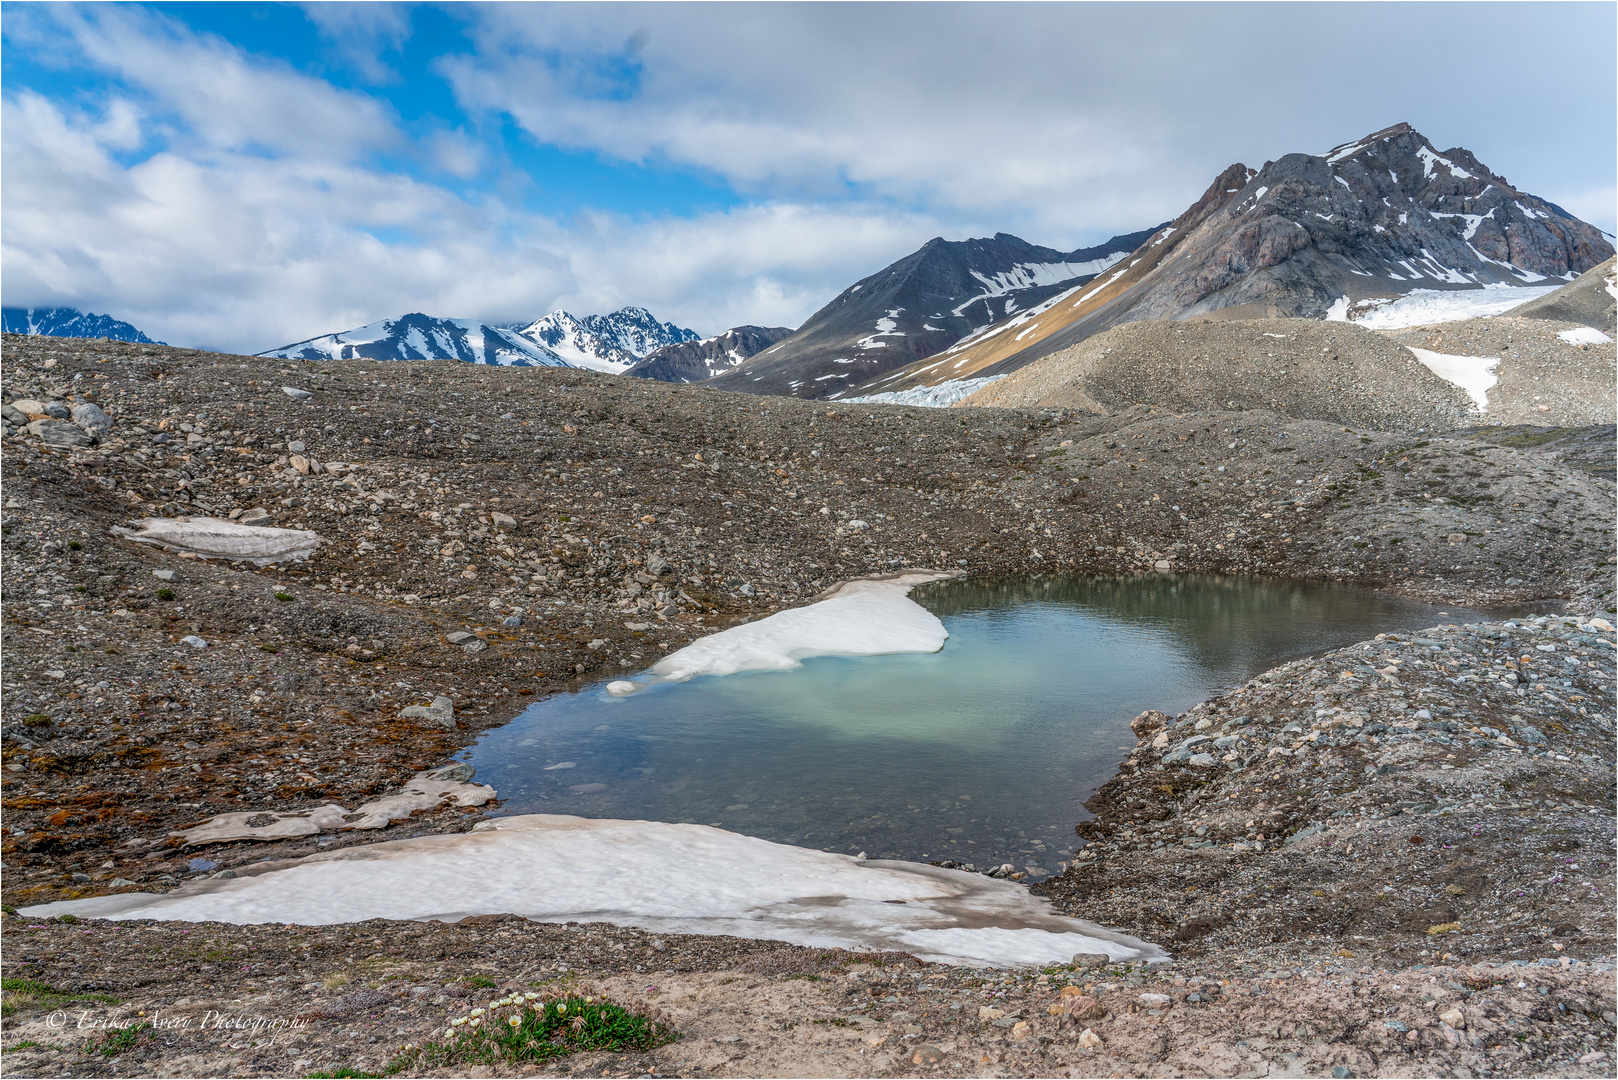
x=1421, y=307
x=678, y=879
x=863, y=617
x=1584, y=335
x=1474, y=374
x=216, y=538
x=941, y=396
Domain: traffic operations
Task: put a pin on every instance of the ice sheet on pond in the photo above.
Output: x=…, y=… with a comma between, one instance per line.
x=864, y=617
x=1474, y=374
x=216, y=538
x=677, y=879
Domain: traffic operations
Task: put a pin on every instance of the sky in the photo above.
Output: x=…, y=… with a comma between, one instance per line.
x=239, y=176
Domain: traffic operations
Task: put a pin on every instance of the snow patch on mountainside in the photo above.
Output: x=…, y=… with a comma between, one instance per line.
x=1028, y=275
x=1421, y=307
x=941, y=396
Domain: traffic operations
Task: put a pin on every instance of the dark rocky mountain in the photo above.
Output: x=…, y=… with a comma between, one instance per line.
x=423, y=337
x=613, y=343
x=913, y=309
x=69, y=322
x=1307, y=236
x=694, y=361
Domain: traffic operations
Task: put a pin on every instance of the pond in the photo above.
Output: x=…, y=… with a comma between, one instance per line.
x=982, y=752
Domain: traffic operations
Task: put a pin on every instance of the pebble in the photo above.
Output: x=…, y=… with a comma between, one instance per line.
x=296, y=394
x=194, y=641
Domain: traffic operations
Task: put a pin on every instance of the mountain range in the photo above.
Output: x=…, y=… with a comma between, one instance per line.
x=69, y=322
x=1307, y=236
x=916, y=307
x=694, y=361
x=611, y=343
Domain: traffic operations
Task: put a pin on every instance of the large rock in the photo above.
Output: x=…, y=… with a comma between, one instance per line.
x=215, y=538
x=89, y=416
x=56, y=433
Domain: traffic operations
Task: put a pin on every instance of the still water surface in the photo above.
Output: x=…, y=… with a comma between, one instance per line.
x=982, y=752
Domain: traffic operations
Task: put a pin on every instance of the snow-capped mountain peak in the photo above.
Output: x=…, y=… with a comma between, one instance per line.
x=422, y=337
x=611, y=343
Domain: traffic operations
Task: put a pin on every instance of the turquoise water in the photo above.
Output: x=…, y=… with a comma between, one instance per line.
x=982, y=752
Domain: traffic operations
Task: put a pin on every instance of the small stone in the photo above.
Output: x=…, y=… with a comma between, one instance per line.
x=927, y=1054
x=120, y=883
x=1021, y=1030
x=56, y=411
x=476, y=645
x=1090, y=960
x=1089, y=1040
x=857, y=525
x=456, y=637
x=1156, y=1001
x=503, y=521
x=254, y=516
x=1084, y=1007
x=461, y=773
x=1453, y=1016
x=299, y=464
x=512, y=620
x=163, y=575
x=989, y=1012
x=193, y=641
x=440, y=714
x=296, y=394
x=658, y=565
x=1342, y=1072
x=1456, y=538
x=296, y=447
x=81, y=879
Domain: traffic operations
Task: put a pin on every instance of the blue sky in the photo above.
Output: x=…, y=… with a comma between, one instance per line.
x=239, y=176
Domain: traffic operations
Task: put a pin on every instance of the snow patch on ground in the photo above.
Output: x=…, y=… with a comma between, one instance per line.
x=1474, y=374
x=216, y=538
x=864, y=617
x=1584, y=335
x=678, y=879
x=1421, y=307
x=933, y=397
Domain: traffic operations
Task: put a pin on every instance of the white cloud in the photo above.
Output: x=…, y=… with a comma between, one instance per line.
x=255, y=211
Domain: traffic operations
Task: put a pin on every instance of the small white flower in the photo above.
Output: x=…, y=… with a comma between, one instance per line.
x=475, y=1013
x=476, y=1021
x=561, y=1006
x=530, y=996
x=515, y=1021
x=458, y=1021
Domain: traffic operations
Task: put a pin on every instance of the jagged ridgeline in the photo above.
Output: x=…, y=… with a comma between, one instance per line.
x=1307, y=236
x=70, y=323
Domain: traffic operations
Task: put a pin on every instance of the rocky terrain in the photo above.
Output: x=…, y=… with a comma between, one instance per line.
x=916, y=307
x=1326, y=370
x=1306, y=235
x=492, y=534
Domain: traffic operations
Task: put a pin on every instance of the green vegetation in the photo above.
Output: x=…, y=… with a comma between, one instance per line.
x=116, y=1041
x=522, y=1027
x=165, y=594
x=18, y=994
x=283, y=596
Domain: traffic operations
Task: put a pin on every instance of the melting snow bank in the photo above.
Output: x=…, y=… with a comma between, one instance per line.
x=1584, y=335
x=677, y=879
x=216, y=538
x=1474, y=374
x=864, y=617
x=935, y=397
x=1422, y=307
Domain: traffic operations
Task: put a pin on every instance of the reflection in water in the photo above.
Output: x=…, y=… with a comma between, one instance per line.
x=981, y=752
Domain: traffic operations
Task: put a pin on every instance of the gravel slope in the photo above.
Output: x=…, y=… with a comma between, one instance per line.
x=1323, y=371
